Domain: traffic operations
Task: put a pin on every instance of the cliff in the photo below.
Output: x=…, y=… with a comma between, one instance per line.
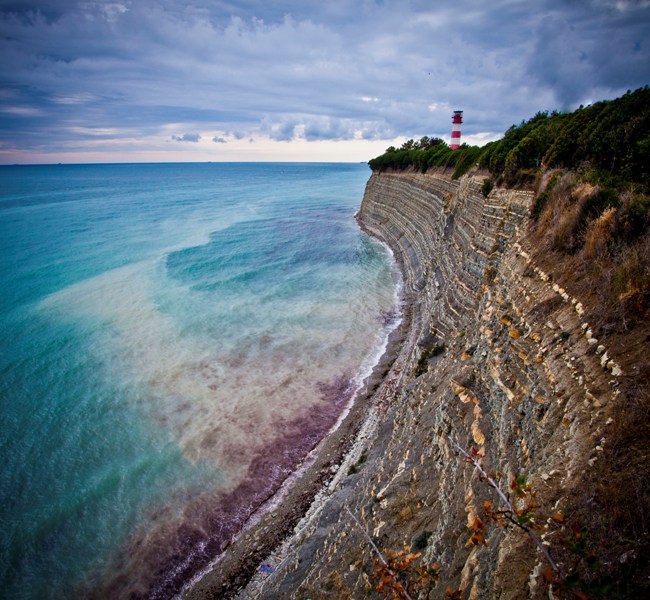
x=521, y=380
x=495, y=357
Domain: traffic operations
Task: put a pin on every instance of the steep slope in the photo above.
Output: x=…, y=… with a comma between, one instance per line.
x=514, y=373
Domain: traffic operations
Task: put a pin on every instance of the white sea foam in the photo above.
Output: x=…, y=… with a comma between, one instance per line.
x=222, y=398
x=152, y=363
x=365, y=370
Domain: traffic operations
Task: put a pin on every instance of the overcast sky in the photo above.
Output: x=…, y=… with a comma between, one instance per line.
x=337, y=80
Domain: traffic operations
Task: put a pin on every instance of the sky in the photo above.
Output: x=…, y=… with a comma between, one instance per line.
x=298, y=80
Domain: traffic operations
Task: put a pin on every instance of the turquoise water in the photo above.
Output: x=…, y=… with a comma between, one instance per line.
x=173, y=340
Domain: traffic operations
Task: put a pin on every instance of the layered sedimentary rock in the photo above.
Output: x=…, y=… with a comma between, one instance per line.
x=514, y=373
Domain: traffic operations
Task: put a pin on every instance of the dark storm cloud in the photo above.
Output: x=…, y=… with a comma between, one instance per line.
x=337, y=70
x=591, y=48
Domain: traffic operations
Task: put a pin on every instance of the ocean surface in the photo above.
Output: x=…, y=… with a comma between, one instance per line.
x=174, y=339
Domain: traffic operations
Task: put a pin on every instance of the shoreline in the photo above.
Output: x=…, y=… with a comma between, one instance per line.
x=274, y=521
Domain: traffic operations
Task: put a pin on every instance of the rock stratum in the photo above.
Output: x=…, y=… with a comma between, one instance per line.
x=515, y=374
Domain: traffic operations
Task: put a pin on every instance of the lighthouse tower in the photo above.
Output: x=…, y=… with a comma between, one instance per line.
x=457, y=119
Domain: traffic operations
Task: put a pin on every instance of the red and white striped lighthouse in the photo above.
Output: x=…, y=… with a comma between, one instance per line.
x=457, y=119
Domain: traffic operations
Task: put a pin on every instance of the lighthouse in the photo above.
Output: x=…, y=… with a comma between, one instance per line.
x=457, y=119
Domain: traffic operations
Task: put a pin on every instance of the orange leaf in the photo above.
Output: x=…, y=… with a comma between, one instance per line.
x=548, y=575
x=477, y=524
x=477, y=539
x=453, y=594
x=558, y=517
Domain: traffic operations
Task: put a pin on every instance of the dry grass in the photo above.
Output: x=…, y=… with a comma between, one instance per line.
x=603, y=240
x=597, y=246
x=598, y=234
x=558, y=200
x=632, y=277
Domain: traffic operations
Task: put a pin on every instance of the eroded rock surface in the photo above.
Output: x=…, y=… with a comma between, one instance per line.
x=521, y=380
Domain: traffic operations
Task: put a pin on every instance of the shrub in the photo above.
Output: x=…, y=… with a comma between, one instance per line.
x=634, y=217
x=486, y=187
x=429, y=353
x=538, y=204
x=421, y=541
x=357, y=466
x=595, y=204
x=541, y=198
x=467, y=157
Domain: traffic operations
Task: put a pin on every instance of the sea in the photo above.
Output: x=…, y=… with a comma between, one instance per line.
x=174, y=340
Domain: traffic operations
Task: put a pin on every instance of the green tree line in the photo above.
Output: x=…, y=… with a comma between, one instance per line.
x=609, y=142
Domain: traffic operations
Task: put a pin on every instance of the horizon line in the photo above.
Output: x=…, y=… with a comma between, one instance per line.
x=190, y=162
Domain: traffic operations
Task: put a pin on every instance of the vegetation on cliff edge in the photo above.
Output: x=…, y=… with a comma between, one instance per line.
x=591, y=173
x=608, y=140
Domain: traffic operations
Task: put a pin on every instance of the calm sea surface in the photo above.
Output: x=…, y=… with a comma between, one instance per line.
x=174, y=338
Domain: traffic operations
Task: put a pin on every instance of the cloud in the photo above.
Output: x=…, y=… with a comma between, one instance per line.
x=591, y=49
x=280, y=132
x=326, y=128
x=290, y=70
x=219, y=140
x=187, y=137
x=22, y=111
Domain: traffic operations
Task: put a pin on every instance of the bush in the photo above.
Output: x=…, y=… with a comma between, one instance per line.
x=467, y=157
x=634, y=217
x=539, y=203
x=421, y=541
x=541, y=197
x=486, y=187
x=423, y=363
x=595, y=204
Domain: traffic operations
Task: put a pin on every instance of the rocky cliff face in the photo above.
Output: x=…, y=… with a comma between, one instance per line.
x=514, y=373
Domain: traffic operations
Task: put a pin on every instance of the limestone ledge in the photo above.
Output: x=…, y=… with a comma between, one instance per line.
x=522, y=380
